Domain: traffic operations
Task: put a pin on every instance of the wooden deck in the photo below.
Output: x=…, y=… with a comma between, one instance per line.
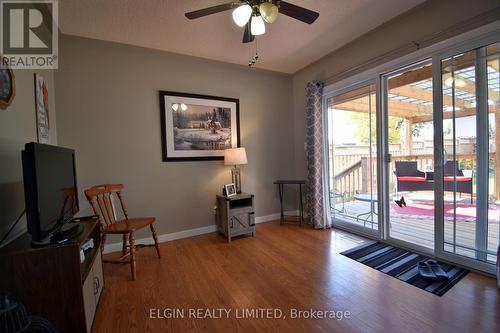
x=420, y=230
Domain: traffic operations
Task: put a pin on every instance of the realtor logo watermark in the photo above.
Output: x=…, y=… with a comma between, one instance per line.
x=29, y=34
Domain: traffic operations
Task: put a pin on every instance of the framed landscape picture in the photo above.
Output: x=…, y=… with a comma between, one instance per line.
x=198, y=127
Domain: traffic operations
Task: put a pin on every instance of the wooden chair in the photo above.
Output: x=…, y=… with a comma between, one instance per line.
x=101, y=199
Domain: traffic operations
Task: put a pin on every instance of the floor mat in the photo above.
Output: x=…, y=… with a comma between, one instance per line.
x=402, y=265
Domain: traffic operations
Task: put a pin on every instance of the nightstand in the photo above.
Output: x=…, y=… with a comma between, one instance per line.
x=235, y=215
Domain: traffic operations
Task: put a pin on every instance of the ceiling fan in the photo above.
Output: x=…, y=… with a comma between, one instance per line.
x=252, y=14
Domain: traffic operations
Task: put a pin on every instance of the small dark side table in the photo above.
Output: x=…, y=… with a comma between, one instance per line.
x=281, y=185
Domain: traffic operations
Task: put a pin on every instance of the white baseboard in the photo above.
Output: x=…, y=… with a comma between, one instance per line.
x=114, y=247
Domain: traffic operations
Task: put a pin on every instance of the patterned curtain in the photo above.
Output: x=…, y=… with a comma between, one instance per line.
x=315, y=156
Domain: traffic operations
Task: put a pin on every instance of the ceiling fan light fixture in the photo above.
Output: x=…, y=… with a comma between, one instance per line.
x=459, y=82
x=242, y=14
x=257, y=26
x=268, y=11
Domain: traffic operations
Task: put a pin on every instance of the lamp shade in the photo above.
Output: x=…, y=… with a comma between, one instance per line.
x=257, y=26
x=235, y=156
x=242, y=14
x=268, y=11
x=459, y=82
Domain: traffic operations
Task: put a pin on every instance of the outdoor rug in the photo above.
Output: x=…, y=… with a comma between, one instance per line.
x=402, y=264
x=425, y=210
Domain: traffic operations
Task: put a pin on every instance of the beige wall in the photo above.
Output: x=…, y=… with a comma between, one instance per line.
x=17, y=127
x=108, y=110
x=423, y=21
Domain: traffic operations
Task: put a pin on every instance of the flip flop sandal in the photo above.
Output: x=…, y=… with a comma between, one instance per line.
x=425, y=271
x=437, y=269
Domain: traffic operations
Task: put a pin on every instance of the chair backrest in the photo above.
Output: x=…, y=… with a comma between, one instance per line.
x=407, y=168
x=101, y=199
x=451, y=169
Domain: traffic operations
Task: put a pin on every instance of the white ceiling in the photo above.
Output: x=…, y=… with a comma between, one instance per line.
x=287, y=46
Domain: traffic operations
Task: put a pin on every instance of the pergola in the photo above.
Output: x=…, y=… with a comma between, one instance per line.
x=410, y=96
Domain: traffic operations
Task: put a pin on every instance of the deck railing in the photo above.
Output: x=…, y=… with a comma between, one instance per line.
x=356, y=178
x=350, y=180
x=425, y=162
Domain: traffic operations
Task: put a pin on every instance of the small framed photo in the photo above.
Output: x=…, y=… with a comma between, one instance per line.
x=230, y=190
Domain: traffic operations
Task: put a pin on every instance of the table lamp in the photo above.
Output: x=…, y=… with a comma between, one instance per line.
x=235, y=157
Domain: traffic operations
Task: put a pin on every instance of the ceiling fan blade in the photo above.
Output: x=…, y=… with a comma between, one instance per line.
x=299, y=13
x=211, y=10
x=247, y=35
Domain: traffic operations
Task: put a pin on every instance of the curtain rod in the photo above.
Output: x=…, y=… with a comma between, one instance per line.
x=456, y=29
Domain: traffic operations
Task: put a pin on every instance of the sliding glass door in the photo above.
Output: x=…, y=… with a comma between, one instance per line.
x=352, y=158
x=414, y=155
x=493, y=90
x=460, y=153
x=470, y=181
x=409, y=139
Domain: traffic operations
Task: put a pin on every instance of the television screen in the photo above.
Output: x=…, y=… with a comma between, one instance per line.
x=50, y=188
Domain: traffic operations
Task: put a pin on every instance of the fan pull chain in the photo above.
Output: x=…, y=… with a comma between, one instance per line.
x=249, y=54
x=253, y=60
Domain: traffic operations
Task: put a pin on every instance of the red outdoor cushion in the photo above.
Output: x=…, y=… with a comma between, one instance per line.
x=411, y=179
x=458, y=178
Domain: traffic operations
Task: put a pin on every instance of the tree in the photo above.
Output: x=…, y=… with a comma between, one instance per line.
x=224, y=117
x=363, y=131
x=179, y=119
x=417, y=129
x=212, y=123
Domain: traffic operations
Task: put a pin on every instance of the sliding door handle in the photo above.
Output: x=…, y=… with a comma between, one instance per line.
x=445, y=156
x=440, y=157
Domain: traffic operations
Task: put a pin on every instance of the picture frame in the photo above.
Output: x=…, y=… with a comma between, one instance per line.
x=42, y=109
x=197, y=127
x=7, y=86
x=230, y=190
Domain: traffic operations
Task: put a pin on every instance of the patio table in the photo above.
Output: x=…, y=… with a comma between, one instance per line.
x=372, y=199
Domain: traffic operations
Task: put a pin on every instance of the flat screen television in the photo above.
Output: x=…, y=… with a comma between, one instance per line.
x=50, y=188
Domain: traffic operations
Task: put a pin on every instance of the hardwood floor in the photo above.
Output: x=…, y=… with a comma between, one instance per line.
x=283, y=267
